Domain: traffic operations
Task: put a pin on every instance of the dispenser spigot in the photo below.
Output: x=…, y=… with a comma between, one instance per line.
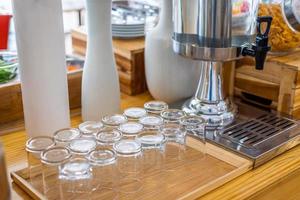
x=260, y=48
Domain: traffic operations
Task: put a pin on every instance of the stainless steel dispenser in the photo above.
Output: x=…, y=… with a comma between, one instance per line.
x=212, y=32
x=215, y=31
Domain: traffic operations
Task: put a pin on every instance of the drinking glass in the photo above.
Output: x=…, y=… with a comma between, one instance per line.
x=174, y=152
x=34, y=147
x=172, y=115
x=64, y=136
x=134, y=113
x=155, y=107
x=105, y=174
x=80, y=147
x=90, y=128
x=108, y=136
x=114, y=120
x=152, y=143
x=195, y=126
x=130, y=129
x=52, y=159
x=151, y=122
x=76, y=175
x=129, y=154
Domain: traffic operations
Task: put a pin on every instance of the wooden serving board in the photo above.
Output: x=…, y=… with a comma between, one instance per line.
x=199, y=174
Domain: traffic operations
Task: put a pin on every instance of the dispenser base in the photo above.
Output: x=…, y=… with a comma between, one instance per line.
x=220, y=113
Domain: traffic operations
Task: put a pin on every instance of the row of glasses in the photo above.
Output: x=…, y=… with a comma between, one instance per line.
x=118, y=150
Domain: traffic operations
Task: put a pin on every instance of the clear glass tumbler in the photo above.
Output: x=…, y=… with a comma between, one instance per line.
x=64, y=136
x=52, y=159
x=76, y=175
x=195, y=126
x=172, y=115
x=152, y=145
x=130, y=129
x=129, y=154
x=108, y=136
x=151, y=122
x=155, y=107
x=174, y=152
x=105, y=173
x=80, y=147
x=134, y=113
x=34, y=147
x=114, y=120
x=90, y=128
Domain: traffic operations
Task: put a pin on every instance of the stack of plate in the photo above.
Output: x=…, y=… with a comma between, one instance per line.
x=128, y=30
x=131, y=18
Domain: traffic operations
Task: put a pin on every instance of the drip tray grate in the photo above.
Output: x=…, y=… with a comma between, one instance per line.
x=255, y=131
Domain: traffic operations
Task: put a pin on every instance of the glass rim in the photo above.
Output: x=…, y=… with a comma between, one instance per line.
x=56, y=162
x=106, y=122
x=161, y=121
x=168, y=118
x=80, y=127
x=151, y=143
x=105, y=161
x=106, y=130
x=82, y=152
x=200, y=121
x=155, y=109
x=85, y=173
x=37, y=150
x=143, y=110
x=124, y=132
x=137, y=150
x=56, y=133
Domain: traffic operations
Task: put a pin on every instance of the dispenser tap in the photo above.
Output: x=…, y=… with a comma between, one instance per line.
x=260, y=48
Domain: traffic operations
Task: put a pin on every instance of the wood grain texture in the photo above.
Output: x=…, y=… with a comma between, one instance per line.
x=192, y=175
x=243, y=187
x=279, y=81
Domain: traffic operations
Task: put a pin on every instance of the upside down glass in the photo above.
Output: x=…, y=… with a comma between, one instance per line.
x=174, y=152
x=90, y=128
x=64, y=136
x=76, y=175
x=195, y=126
x=34, y=147
x=52, y=160
x=152, y=146
x=155, y=107
x=105, y=174
x=108, y=136
x=129, y=155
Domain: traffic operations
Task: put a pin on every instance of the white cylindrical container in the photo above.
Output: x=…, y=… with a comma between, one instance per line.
x=100, y=81
x=170, y=77
x=41, y=51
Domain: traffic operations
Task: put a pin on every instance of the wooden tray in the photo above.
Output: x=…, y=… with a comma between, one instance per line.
x=198, y=175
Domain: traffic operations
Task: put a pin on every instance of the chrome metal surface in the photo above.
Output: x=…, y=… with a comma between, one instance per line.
x=208, y=20
x=256, y=134
x=291, y=10
x=196, y=52
x=210, y=82
x=209, y=101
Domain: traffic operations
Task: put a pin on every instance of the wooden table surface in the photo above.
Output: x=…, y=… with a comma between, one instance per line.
x=277, y=179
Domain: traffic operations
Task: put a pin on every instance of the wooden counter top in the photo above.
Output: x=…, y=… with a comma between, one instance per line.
x=279, y=177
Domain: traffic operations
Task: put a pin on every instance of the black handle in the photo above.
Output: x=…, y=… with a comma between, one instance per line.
x=260, y=21
x=260, y=49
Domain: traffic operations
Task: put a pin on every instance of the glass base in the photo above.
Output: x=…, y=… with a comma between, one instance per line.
x=220, y=113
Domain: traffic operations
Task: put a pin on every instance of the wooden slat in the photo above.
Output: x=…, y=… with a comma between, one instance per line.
x=286, y=92
x=257, y=87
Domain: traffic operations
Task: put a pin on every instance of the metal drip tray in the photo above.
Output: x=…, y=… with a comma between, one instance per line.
x=257, y=134
x=257, y=131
